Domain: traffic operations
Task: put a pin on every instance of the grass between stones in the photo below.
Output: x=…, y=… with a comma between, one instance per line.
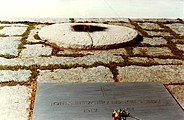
x=25, y=36
x=148, y=45
x=160, y=20
x=1, y=27
x=13, y=83
x=33, y=77
x=7, y=56
x=72, y=55
x=169, y=30
x=170, y=44
x=111, y=66
x=72, y=20
x=37, y=37
x=172, y=47
x=180, y=20
x=32, y=99
x=114, y=71
x=3, y=35
x=18, y=67
x=31, y=82
x=25, y=22
x=137, y=27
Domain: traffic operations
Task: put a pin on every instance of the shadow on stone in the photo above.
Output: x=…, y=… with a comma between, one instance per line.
x=87, y=28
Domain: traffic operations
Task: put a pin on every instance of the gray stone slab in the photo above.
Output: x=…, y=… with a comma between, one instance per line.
x=35, y=51
x=9, y=45
x=13, y=31
x=96, y=101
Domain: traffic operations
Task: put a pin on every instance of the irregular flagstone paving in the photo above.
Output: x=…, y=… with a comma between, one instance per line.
x=14, y=102
x=36, y=51
x=152, y=51
x=26, y=60
x=177, y=28
x=96, y=74
x=154, y=41
x=150, y=26
x=14, y=25
x=9, y=75
x=12, y=31
x=162, y=73
x=9, y=45
x=180, y=46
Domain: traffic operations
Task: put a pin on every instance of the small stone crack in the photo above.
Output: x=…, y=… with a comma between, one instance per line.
x=90, y=38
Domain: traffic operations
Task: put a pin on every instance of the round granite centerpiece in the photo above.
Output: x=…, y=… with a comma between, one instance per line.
x=88, y=35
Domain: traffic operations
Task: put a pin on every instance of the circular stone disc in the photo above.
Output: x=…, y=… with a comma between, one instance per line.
x=96, y=36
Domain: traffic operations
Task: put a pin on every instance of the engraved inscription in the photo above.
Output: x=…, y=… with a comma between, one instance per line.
x=103, y=102
x=90, y=110
x=97, y=101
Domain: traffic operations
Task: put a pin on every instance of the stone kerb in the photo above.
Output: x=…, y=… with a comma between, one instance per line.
x=88, y=35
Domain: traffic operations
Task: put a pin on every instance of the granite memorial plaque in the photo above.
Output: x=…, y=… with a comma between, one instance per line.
x=97, y=101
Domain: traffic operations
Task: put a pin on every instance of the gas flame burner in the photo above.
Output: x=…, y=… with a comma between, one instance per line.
x=90, y=36
x=87, y=28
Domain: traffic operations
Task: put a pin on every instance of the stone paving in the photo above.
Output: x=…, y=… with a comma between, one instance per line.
x=26, y=60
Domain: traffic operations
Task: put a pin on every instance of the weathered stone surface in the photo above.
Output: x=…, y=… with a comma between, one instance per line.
x=141, y=60
x=178, y=92
x=14, y=25
x=154, y=41
x=169, y=61
x=9, y=45
x=111, y=52
x=48, y=20
x=180, y=47
x=64, y=52
x=122, y=24
x=11, y=62
x=63, y=36
x=100, y=20
x=14, y=102
x=150, y=61
x=150, y=26
x=152, y=51
x=18, y=76
x=33, y=32
x=120, y=51
x=158, y=33
x=178, y=41
x=69, y=61
x=11, y=31
x=96, y=74
x=162, y=73
x=35, y=50
x=39, y=20
x=165, y=20
x=177, y=27
x=86, y=60
x=112, y=36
